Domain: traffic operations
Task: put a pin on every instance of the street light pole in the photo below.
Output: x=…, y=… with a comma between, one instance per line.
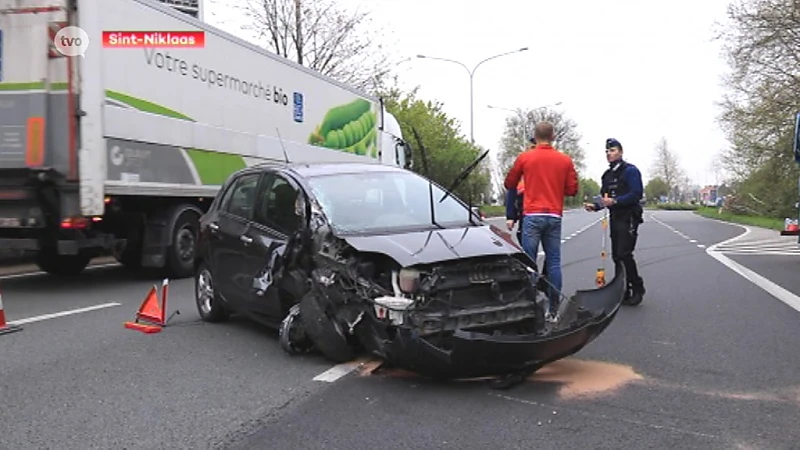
x=471, y=84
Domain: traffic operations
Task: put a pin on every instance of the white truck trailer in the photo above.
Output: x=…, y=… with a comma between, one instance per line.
x=123, y=149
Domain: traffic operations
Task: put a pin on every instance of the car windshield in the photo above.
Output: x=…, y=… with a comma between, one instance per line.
x=377, y=201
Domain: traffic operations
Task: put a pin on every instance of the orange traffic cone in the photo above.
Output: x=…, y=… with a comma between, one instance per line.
x=6, y=328
x=151, y=317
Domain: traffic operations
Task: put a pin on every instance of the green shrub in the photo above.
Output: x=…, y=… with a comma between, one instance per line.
x=677, y=206
x=758, y=221
x=493, y=210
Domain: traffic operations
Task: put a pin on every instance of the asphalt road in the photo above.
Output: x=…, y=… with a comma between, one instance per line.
x=708, y=360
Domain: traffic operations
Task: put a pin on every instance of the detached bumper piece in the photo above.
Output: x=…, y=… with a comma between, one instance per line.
x=472, y=354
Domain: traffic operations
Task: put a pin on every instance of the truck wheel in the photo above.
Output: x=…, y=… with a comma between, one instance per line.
x=324, y=331
x=209, y=305
x=61, y=265
x=180, y=255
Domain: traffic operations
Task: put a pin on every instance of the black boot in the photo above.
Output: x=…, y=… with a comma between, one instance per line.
x=628, y=293
x=637, y=295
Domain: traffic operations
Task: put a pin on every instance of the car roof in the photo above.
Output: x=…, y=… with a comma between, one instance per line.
x=311, y=170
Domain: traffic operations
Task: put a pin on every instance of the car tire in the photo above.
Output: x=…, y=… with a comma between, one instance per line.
x=324, y=331
x=291, y=327
x=209, y=304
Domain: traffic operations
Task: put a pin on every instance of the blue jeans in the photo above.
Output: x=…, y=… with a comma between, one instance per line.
x=547, y=230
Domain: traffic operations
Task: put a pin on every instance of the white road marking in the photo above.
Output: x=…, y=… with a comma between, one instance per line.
x=337, y=371
x=39, y=273
x=575, y=234
x=62, y=314
x=678, y=232
x=789, y=298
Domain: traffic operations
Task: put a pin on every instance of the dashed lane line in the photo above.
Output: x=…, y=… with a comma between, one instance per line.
x=676, y=231
x=338, y=371
x=62, y=314
x=575, y=234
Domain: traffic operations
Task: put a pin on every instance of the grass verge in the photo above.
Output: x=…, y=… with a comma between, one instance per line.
x=493, y=210
x=675, y=207
x=757, y=221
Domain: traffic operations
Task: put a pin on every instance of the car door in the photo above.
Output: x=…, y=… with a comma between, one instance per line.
x=233, y=221
x=276, y=218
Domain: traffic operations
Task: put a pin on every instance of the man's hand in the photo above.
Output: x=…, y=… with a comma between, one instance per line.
x=608, y=201
x=510, y=224
x=589, y=207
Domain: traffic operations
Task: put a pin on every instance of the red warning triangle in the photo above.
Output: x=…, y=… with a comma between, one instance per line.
x=151, y=309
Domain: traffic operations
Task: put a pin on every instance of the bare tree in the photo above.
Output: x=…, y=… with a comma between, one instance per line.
x=519, y=128
x=322, y=36
x=667, y=167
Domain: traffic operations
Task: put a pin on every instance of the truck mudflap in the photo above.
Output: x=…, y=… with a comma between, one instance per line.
x=473, y=354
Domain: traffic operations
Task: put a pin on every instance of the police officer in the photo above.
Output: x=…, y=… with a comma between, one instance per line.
x=621, y=192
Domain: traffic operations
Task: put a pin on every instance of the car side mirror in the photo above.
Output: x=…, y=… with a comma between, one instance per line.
x=302, y=209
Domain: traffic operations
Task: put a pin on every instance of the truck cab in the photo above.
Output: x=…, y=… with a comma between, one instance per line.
x=395, y=150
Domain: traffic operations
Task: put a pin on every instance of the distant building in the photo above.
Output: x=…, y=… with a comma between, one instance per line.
x=708, y=195
x=193, y=8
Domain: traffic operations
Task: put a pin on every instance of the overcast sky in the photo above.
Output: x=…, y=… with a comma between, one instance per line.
x=632, y=70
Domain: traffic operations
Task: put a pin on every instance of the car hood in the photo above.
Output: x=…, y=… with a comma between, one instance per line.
x=424, y=247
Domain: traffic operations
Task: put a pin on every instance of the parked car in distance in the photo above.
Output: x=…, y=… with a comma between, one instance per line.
x=343, y=257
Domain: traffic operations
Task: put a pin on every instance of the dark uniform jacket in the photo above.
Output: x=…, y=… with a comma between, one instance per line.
x=623, y=182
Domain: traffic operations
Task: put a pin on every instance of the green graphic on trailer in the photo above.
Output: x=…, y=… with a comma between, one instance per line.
x=212, y=167
x=145, y=106
x=349, y=127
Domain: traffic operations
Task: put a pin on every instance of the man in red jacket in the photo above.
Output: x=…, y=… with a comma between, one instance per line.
x=549, y=176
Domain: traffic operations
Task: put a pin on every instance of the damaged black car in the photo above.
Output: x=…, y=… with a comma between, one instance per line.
x=347, y=257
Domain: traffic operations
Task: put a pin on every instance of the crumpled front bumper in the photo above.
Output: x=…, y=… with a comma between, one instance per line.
x=468, y=354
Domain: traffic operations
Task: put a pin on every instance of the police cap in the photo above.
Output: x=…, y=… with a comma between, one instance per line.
x=611, y=142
